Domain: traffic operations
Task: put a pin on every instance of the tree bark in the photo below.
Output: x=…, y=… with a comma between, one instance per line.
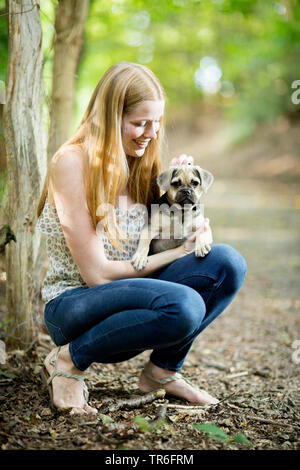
x=26, y=168
x=69, y=27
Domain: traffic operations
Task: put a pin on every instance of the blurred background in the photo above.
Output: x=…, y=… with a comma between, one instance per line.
x=231, y=71
x=228, y=67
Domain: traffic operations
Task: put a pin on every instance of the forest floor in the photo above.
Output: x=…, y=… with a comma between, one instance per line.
x=248, y=357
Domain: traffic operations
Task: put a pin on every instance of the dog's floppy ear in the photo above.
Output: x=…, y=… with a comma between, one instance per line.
x=164, y=179
x=207, y=178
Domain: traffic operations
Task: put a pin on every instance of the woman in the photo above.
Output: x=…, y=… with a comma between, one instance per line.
x=98, y=307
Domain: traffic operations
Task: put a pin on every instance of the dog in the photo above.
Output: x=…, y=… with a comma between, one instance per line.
x=176, y=215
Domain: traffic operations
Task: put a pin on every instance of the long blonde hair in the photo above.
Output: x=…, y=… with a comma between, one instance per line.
x=108, y=170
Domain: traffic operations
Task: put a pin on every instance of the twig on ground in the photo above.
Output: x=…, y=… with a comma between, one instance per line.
x=216, y=366
x=137, y=402
x=264, y=420
x=238, y=374
x=197, y=407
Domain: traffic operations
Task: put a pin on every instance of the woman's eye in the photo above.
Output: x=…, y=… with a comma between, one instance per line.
x=141, y=124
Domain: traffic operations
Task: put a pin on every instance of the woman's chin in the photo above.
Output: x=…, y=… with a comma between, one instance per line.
x=137, y=153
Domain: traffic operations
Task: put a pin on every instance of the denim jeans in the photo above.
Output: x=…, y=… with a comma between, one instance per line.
x=163, y=312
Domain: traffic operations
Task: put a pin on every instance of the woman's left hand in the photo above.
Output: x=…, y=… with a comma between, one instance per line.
x=182, y=160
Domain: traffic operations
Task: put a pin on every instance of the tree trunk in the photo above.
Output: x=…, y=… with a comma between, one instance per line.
x=69, y=26
x=26, y=168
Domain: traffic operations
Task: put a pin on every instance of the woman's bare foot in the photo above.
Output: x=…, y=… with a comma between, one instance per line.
x=67, y=392
x=179, y=388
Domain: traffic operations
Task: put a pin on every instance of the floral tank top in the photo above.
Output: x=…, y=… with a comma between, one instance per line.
x=62, y=273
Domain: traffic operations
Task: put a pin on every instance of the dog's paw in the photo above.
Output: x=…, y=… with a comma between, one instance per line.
x=139, y=261
x=202, y=250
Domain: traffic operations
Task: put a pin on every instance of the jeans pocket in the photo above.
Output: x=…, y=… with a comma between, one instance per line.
x=55, y=333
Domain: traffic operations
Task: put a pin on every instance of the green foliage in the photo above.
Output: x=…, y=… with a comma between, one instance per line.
x=148, y=426
x=3, y=41
x=105, y=418
x=214, y=432
x=7, y=375
x=255, y=45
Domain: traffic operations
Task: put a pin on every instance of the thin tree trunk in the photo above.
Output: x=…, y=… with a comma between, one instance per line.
x=26, y=167
x=69, y=27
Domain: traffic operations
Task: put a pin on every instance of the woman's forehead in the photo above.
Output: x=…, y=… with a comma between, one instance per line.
x=148, y=110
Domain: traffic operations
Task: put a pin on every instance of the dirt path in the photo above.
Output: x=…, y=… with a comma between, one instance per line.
x=246, y=357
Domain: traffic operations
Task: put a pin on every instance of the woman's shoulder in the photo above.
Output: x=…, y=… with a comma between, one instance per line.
x=68, y=155
x=67, y=170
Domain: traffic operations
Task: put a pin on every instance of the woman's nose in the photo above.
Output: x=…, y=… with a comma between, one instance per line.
x=150, y=131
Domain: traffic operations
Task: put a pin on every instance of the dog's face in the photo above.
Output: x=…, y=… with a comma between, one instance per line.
x=185, y=184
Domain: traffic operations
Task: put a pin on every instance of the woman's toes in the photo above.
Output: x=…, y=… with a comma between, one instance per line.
x=207, y=398
x=78, y=411
x=89, y=409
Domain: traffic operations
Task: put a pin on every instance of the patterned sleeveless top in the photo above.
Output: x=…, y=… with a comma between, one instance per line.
x=62, y=273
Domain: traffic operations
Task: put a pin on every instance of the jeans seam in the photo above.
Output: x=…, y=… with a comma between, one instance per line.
x=57, y=327
x=214, y=288
x=118, y=287
x=197, y=275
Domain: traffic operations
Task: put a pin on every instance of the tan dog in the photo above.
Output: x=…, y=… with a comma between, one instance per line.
x=177, y=214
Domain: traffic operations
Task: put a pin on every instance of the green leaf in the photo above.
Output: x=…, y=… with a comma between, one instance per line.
x=213, y=431
x=52, y=433
x=142, y=423
x=9, y=376
x=240, y=437
x=105, y=418
x=211, y=428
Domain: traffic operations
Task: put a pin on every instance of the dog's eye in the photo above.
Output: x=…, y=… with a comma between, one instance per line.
x=195, y=183
x=176, y=184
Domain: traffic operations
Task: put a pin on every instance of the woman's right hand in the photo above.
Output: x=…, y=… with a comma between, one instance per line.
x=189, y=245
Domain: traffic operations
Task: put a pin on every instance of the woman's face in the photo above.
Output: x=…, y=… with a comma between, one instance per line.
x=140, y=126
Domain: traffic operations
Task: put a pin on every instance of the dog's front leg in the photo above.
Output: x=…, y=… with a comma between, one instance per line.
x=203, y=242
x=140, y=258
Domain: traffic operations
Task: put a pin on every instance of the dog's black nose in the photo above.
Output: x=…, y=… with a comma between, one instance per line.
x=186, y=192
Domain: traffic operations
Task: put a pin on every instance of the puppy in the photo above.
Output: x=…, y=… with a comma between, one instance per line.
x=176, y=215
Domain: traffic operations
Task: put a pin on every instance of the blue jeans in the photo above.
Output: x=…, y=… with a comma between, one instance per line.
x=163, y=312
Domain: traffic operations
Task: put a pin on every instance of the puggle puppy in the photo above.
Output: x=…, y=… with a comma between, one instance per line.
x=176, y=215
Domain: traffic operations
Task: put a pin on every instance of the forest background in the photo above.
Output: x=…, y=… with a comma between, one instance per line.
x=231, y=71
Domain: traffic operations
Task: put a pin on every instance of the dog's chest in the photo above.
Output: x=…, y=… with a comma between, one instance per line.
x=172, y=229
x=179, y=224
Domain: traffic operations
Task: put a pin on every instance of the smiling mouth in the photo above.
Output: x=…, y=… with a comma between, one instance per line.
x=141, y=145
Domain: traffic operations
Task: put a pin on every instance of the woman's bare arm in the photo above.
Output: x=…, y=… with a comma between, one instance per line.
x=68, y=191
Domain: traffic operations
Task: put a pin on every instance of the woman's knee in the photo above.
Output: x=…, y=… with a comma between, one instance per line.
x=232, y=264
x=184, y=312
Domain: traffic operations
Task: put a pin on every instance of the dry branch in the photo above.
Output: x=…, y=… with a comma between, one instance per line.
x=137, y=402
x=265, y=420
